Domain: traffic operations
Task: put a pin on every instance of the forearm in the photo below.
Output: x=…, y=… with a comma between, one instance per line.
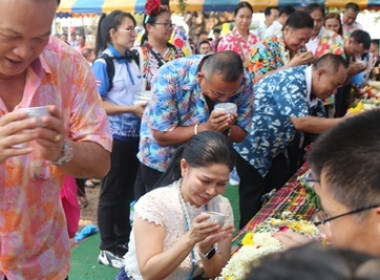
x=113, y=109
x=237, y=134
x=163, y=264
x=214, y=266
x=315, y=125
x=90, y=161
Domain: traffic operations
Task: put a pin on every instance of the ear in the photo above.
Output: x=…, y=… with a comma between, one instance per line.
x=184, y=167
x=287, y=29
x=200, y=77
x=112, y=33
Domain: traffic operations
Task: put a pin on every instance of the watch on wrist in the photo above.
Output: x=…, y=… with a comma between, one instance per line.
x=209, y=254
x=66, y=155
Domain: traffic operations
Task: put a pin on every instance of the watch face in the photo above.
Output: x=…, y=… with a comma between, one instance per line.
x=211, y=253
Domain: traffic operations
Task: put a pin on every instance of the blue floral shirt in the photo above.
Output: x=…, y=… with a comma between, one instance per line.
x=177, y=101
x=277, y=98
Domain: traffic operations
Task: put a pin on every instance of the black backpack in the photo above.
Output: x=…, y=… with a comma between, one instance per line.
x=111, y=67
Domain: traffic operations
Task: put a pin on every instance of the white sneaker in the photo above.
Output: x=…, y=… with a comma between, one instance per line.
x=108, y=258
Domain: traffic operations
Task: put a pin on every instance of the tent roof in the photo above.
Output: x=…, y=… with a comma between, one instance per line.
x=99, y=6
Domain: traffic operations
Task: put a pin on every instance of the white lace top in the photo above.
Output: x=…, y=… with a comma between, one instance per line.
x=162, y=206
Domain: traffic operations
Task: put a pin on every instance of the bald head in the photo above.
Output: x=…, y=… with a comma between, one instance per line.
x=227, y=64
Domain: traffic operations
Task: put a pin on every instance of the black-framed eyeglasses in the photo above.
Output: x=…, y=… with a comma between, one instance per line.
x=167, y=25
x=325, y=220
x=309, y=178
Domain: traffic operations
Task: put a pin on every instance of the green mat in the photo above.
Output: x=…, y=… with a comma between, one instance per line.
x=84, y=258
x=84, y=262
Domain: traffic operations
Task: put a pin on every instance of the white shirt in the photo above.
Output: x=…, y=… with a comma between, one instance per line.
x=273, y=29
x=309, y=80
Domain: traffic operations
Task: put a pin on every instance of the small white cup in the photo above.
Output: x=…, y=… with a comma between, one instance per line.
x=227, y=107
x=141, y=97
x=216, y=217
x=36, y=112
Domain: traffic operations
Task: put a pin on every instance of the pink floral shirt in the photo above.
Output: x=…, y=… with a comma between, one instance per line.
x=231, y=42
x=34, y=243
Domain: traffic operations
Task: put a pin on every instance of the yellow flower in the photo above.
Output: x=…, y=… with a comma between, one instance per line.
x=247, y=239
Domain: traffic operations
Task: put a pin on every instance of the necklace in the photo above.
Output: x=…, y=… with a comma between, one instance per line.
x=194, y=260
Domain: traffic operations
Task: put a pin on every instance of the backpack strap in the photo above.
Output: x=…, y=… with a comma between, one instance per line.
x=110, y=69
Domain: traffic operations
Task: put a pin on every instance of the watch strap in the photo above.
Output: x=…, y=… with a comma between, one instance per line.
x=209, y=254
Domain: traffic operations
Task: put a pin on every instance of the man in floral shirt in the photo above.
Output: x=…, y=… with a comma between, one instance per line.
x=283, y=104
x=183, y=97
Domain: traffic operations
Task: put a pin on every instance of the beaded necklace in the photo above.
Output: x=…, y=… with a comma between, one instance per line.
x=194, y=261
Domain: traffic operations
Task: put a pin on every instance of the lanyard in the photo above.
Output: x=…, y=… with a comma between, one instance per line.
x=194, y=261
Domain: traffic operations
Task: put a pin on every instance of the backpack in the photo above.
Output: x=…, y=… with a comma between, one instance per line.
x=111, y=67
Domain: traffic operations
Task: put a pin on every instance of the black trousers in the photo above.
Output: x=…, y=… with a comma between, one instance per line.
x=146, y=179
x=252, y=186
x=116, y=194
x=342, y=100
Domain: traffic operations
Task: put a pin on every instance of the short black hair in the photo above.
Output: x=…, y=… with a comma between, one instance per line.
x=333, y=61
x=268, y=10
x=352, y=6
x=287, y=10
x=226, y=63
x=349, y=156
x=241, y=5
x=314, y=7
x=299, y=19
x=362, y=37
x=204, y=42
x=312, y=261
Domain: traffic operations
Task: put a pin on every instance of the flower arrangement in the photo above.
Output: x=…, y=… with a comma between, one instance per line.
x=255, y=245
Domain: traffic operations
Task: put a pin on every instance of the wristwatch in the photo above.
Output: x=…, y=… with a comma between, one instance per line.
x=209, y=254
x=67, y=154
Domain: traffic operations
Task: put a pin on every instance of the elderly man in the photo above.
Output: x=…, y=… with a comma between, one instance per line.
x=271, y=14
x=349, y=24
x=345, y=164
x=71, y=137
x=182, y=102
x=277, y=24
x=284, y=103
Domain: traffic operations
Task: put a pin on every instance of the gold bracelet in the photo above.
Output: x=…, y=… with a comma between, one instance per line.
x=196, y=129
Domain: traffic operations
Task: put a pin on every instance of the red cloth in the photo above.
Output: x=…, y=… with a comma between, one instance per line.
x=70, y=204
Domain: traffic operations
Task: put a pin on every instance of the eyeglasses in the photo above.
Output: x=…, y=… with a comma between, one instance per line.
x=322, y=219
x=129, y=29
x=167, y=25
x=309, y=178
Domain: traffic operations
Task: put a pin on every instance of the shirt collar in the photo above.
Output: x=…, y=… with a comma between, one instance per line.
x=41, y=63
x=308, y=76
x=116, y=53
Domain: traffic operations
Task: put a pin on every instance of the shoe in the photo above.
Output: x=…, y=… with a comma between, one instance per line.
x=108, y=258
x=121, y=250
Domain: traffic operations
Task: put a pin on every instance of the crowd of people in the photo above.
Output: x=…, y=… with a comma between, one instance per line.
x=144, y=120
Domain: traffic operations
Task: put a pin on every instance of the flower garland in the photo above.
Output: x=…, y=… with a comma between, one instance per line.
x=260, y=243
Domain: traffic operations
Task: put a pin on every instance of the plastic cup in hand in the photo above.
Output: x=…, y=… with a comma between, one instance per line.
x=141, y=97
x=36, y=112
x=215, y=217
x=228, y=107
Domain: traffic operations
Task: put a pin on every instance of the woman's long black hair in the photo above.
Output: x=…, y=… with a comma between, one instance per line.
x=201, y=150
x=107, y=22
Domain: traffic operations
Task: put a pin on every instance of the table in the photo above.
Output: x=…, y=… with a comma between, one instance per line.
x=294, y=196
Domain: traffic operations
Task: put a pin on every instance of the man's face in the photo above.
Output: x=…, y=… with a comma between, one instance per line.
x=25, y=28
x=359, y=233
x=326, y=82
x=352, y=48
x=217, y=89
x=317, y=17
x=204, y=48
x=295, y=39
x=349, y=17
x=272, y=17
